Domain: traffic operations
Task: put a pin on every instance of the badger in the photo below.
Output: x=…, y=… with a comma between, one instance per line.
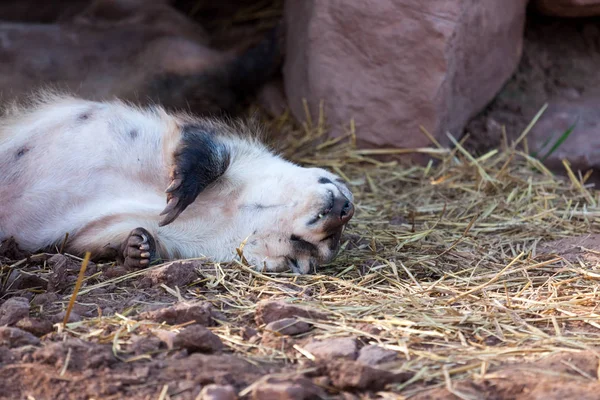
x=142, y=184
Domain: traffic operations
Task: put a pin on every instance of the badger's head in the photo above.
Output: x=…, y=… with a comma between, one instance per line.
x=297, y=216
x=288, y=216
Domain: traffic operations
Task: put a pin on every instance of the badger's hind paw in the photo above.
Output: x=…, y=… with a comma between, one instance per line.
x=138, y=250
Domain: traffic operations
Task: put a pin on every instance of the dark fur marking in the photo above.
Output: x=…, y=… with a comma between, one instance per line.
x=225, y=89
x=133, y=133
x=22, y=151
x=302, y=246
x=200, y=160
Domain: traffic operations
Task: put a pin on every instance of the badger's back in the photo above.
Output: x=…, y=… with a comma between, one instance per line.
x=66, y=161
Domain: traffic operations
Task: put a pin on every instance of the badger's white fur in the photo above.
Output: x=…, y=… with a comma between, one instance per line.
x=99, y=170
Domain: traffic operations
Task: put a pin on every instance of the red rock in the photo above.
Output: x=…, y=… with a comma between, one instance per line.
x=568, y=8
x=333, y=348
x=13, y=309
x=180, y=313
x=581, y=148
x=373, y=355
x=395, y=65
x=35, y=326
x=287, y=389
x=269, y=311
x=196, y=338
x=14, y=337
x=352, y=375
x=179, y=273
x=288, y=326
x=217, y=392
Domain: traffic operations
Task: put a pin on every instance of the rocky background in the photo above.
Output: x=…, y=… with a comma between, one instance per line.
x=389, y=68
x=457, y=66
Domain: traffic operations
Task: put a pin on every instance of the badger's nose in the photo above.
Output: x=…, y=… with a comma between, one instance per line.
x=342, y=209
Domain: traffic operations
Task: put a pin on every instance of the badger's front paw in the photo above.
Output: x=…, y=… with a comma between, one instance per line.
x=138, y=250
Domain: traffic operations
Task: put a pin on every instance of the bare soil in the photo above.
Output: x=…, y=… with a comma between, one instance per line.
x=151, y=336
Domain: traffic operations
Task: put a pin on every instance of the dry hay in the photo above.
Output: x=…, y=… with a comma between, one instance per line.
x=440, y=264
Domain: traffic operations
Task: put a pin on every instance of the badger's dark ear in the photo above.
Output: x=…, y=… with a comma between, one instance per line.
x=199, y=160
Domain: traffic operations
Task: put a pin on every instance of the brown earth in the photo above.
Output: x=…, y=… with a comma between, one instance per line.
x=165, y=334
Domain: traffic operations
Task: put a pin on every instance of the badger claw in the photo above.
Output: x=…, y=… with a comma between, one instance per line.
x=138, y=250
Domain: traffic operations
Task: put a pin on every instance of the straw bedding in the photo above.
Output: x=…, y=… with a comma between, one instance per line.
x=456, y=267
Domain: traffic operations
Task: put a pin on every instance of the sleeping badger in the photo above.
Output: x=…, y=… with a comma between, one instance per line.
x=139, y=185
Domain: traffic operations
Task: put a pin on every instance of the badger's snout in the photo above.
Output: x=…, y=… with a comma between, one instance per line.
x=342, y=209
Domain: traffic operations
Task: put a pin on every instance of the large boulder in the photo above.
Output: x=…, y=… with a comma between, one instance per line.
x=394, y=65
x=568, y=8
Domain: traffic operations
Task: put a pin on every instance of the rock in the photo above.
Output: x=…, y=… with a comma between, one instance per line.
x=196, y=338
x=217, y=392
x=145, y=344
x=582, y=148
x=248, y=332
x=284, y=389
x=559, y=67
x=329, y=349
x=59, y=278
x=9, y=249
x=35, y=326
x=352, y=375
x=19, y=279
x=179, y=273
x=269, y=311
x=60, y=317
x=373, y=355
x=394, y=65
x=83, y=355
x=166, y=337
x=288, y=326
x=14, y=337
x=180, y=313
x=6, y=355
x=13, y=309
x=568, y=8
x=44, y=298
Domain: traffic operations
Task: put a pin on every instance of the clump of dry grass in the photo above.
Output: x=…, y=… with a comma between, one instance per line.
x=441, y=259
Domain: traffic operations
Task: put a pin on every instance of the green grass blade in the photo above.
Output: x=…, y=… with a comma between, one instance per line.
x=560, y=140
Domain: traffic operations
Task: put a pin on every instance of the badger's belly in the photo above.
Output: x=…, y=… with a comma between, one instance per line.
x=57, y=174
x=45, y=213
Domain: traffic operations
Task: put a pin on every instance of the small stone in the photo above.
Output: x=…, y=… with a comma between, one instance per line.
x=167, y=337
x=14, y=337
x=13, y=309
x=329, y=349
x=288, y=326
x=60, y=317
x=217, y=392
x=373, y=355
x=20, y=280
x=44, y=298
x=180, y=313
x=143, y=344
x=57, y=280
x=197, y=338
x=282, y=389
x=179, y=273
x=248, y=332
x=269, y=311
x=35, y=326
x=352, y=375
